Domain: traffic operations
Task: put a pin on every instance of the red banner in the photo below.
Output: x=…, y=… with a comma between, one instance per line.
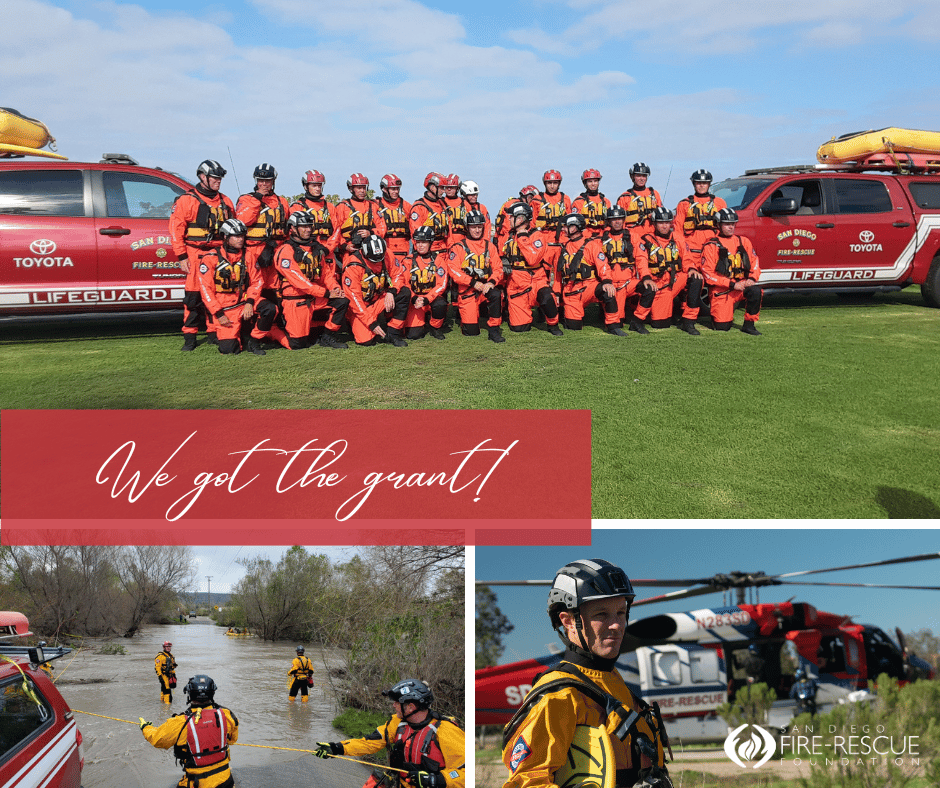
x=296, y=477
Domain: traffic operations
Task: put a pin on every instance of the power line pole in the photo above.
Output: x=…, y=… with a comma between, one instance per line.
x=208, y=593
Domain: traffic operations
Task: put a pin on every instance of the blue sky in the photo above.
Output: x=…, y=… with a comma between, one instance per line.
x=689, y=553
x=497, y=92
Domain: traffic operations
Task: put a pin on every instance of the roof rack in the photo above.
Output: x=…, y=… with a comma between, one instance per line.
x=899, y=163
x=38, y=655
x=118, y=158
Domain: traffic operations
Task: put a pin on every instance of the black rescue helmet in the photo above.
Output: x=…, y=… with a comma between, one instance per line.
x=574, y=219
x=265, y=172
x=639, y=168
x=300, y=650
x=520, y=209
x=423, y=233
x=300, y=219
x=233, y=227
x=663, y=214
x=726, y=216
x=615, y=212
x=200, y=690
x=373, y=248
x=584, y=581
x=701, y=176
x=211, y=169
x=475, y=217
x=411, y=691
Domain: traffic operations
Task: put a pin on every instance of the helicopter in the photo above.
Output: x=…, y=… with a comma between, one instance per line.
x=692, y=662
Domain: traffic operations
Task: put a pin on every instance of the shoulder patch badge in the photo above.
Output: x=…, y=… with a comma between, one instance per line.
x=440, y=271
x=348, y=281
x=520, y=752
x=537, y=244
x=601, y=257
x=452, y=255
x=203, y=268
x=285, y=263
x=414, y=216
x=453, y=775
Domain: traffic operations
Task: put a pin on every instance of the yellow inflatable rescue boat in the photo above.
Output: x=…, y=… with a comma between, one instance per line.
x=22, y=136
x=852, y=147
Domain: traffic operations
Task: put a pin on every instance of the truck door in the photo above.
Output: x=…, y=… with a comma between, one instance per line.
x=137, y=266
x=48, y=252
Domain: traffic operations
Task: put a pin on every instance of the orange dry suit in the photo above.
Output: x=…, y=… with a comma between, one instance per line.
x=639, y=204
x=726, y=261
x=365, y=284
x=469, y=262
x=593, y=207
x=266, y=220
x=666, y=261
x=695, y=221
x=397, y=229
x=426, y=278
x=581, y=267
x=428, y=212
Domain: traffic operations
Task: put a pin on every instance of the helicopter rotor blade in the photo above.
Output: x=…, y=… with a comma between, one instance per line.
x=859, y=585
x=886, y=562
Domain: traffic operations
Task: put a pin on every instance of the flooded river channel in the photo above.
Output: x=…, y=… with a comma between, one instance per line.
x=251, y=676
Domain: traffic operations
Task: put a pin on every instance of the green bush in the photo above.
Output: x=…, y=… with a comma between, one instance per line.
x=112, y=648
x=750, y=704
x=356, y=723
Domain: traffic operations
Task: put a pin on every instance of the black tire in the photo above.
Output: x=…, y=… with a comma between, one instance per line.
x=930, y=289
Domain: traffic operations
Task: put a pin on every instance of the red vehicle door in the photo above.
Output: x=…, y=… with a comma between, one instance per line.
x=48, y=250
x=137, y=267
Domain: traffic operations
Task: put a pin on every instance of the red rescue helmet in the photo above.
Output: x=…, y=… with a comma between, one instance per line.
x=451, y=180
x=390, y=181
x=551, y=175
x=433, y=178
x=592, y=173
x=167, y=644
x=312, y=176
x=528, y=192
x=356, y=179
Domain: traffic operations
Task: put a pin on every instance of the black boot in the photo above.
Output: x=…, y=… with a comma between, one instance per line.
x=616, y=330
x=555, y=330
x=437, y=333
x=328, y=339
x=189, y=342
x=637, y=325
x=212, y=338
x=254, y=346
x=749, y=328
x=495, y=335
x=688, y=326
x=394, y=336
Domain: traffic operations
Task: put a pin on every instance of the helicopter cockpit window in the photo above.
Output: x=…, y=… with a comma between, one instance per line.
x=883, y=655
x=704, y=666
x=667, y=669
x=831, y=655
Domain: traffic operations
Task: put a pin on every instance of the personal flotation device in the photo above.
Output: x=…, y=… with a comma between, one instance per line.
x=550, y=213
x=735, y=266
x=320, y=211
x=204, y=229
x=357, y=220
x=309, y=262
x=476, y=266
x=594, y=212
x=572, y=267
x=230, y=276
x=206, y=738
x=619, y=250
x=304, y=671
x=639, y=206
x=271, y=224
x=396, y=223
x=513, y=256
x=436, y=220
x=423, y=280
x=662, y=259
x=453, y=214
x=417, y=748
x=374, y=283
x=700, y=215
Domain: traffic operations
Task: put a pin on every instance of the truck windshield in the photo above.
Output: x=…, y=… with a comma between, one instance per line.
x=740, y=192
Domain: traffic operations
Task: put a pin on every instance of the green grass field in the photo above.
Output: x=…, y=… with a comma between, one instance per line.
x=834, y=412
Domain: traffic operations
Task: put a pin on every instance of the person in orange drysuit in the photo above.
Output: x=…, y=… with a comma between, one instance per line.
x=529, y=284
x=429, y=210
x=313, y=202
x=620, y=249
x=453, y=202
x=470, y=193
x=665, y=266
x=231, y=288
x=427, y=281
x=550, y=206
x=194, y=228
x=395, y=212
x=639, y=201
x=475, y=266
x=585, y=275
x=308, y=285
x=503, y=221
x=695, y=215
x=591, y=204
x=731, y=269
x=355, y=219
x=374, y=286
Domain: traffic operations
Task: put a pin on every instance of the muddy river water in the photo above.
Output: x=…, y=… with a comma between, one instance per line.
x=251, y=676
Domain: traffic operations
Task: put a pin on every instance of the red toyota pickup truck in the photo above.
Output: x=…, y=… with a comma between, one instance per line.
x=83, y=237
x=855, y=227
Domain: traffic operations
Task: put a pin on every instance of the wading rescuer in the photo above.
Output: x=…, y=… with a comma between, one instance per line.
x=584, y=698
x=165, y=666
x=302, y=672
x=430, y=747
x=200, y=737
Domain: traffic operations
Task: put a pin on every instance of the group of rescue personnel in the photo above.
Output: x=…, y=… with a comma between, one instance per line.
x=425, y=749
x=295, y=272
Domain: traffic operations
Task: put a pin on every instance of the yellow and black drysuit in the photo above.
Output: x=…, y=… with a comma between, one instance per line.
x=436, y=745
x=200, y=738
x=165, y=666
x=579, y=691
x=301, y=670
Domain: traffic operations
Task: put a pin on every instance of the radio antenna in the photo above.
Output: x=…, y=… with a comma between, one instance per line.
x=237, y=187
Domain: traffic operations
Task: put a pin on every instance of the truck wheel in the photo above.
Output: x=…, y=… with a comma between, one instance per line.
x=930, y=289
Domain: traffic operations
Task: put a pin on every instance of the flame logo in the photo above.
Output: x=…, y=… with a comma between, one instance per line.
x=758, y=746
